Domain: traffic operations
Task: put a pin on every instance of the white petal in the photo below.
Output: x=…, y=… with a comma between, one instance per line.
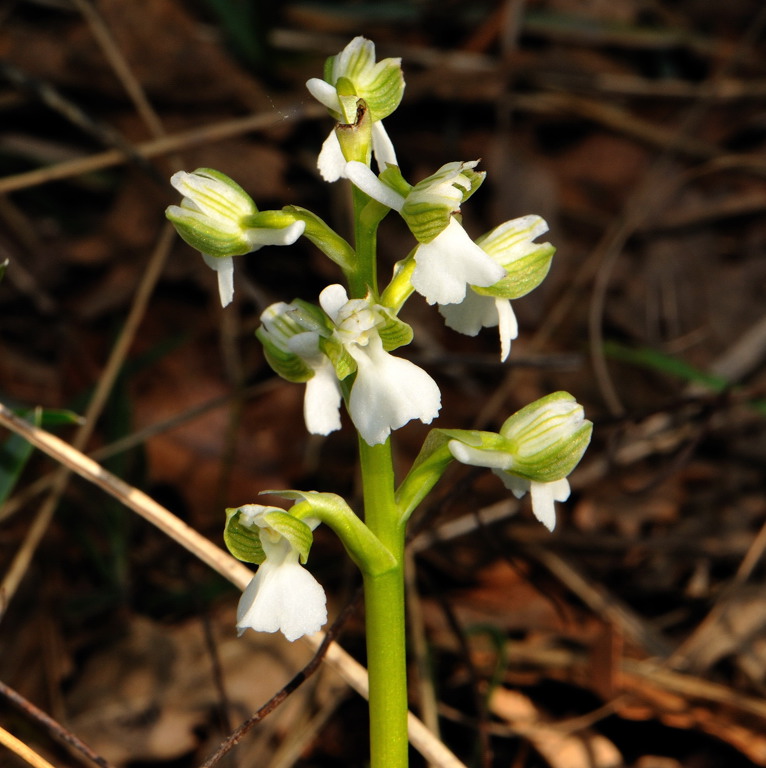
x=332, y=300
x=382, y=146
x=224, y=266
x=508, y=326
x=449, y=263
x=476, y=457
x=324, y=93
x=470, y=315
x=260, y=236
x=388, y=392
x=331, y=162
x=364, y=178
x=518, y=486
x=543, y=496
x=283, y=597
x=321, y=403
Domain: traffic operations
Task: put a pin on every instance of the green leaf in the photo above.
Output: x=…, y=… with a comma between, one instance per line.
x=659, y=361
x=14, y=454
x=655, y=360
x=60, y=417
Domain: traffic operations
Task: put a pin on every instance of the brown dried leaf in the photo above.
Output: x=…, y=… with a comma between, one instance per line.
x=560, y=748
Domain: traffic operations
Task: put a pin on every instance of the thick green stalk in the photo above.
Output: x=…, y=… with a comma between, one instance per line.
x=364, y=277
x=385, y=618
x=383, y=593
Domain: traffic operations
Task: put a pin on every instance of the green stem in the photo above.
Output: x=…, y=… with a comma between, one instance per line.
x=384, y=612
x=384, y=592
x=364, y=278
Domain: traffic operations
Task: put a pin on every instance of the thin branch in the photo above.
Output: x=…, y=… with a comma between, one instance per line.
x=303, y=675
x=53, y=727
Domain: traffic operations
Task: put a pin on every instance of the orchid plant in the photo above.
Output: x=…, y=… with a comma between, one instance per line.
x=345, y=350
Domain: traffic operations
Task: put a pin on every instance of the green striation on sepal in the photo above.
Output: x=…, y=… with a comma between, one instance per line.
x=244, y=542
x=431, y=202
x=426, y=220
x=523, y=275
x=285, y=364
x=295, y=531
x=354, y=72
x=547, y=438
x=394, y=333
x=246, y=525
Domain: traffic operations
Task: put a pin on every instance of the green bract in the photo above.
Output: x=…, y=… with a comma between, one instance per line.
x=323, y=237
x=364, y=548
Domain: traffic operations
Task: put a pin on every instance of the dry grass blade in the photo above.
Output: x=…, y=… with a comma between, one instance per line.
x=22, y=750
x=157, y=147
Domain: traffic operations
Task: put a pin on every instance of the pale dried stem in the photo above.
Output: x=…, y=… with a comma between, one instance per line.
x=208, y=134
x=121, y=67
x=22, y=750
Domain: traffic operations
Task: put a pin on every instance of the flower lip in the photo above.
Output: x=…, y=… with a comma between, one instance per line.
x=282, y=596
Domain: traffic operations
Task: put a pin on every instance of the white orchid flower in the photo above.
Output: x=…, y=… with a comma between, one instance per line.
x=534, y=452
x=388, y=391
x=282, y=596
x=526, y=263
x=219, y=219
x=446, y=261
x=288, y=328
x=379, y=84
